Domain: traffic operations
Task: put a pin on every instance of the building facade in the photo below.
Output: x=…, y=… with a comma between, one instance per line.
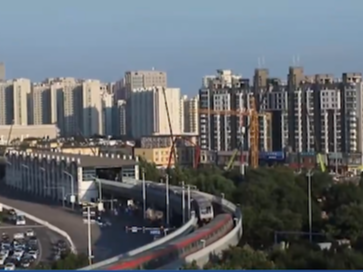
x=59, y=176
x=222, y=127
x=30, y=131
x=189, y=114
x=2, y=71
x=148, y=114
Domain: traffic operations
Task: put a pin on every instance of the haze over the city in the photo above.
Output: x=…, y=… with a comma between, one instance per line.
x=188, y=39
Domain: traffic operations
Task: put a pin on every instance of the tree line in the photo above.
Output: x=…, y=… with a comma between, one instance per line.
x=274, y=202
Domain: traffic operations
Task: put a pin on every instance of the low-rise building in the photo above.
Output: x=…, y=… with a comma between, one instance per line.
x=9, y=133
x=60, y=175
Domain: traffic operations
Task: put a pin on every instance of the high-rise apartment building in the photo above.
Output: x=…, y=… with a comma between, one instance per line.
x=120, y=118
x=22, y=98
x=108, y=106
x=221, y=131
x=142, y=80
x=189, y=114
x=149, y=114
x=315, y=113
x=41, y=104
x=6, y=103
x=137, y=80
x=92, y=108
x=69, y=93
x=2, y=71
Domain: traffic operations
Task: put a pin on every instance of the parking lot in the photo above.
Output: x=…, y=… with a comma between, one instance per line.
x=24, y=246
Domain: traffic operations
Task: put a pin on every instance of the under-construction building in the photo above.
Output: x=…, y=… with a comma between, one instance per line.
x=225, y=96
x=304, y=114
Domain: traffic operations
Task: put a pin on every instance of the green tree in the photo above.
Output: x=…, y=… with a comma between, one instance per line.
x=238, y=258
x=71, y=261
x=150, y=170
x=347, y=221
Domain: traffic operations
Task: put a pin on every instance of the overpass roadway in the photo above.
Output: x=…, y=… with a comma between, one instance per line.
x=107, y=242
x=133, y=188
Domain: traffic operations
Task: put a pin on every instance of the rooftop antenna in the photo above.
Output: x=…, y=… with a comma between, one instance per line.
x=263, y=62
x=258, y=62
x=293, y=60
x=298, y=59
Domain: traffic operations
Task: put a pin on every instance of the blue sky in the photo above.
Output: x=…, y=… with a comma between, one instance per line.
x=188, y=39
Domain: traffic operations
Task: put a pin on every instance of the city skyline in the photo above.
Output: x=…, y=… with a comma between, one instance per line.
x=197, y=37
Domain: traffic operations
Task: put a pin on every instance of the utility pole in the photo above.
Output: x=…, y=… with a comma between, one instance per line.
x=309, y=175
x=335, y=142
x=189, y=207
x=89, y=235
x=183, y=201
x=143, y=193
x=167, y=199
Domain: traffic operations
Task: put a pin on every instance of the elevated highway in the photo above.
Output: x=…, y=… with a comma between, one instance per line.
x=134, y=189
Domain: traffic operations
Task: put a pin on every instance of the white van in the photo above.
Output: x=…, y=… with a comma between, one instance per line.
x=20, y=220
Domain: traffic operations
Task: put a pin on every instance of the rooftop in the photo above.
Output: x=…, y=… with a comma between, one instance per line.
x=95, y=161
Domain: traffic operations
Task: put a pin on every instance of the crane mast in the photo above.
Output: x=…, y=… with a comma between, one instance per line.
x=172, y=151
x=254, y=134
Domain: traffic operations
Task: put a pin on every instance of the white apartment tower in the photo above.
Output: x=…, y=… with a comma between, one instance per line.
x=149, y=114
x=21, y=95
x=108, y=107
x=190, y=117
x=120, y=124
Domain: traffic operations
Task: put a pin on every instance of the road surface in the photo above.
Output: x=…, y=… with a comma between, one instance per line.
x=106, y=242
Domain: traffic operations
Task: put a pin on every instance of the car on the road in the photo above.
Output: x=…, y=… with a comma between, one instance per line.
x=18, y=253
x=2, y=258
x=9, y=266
x=102, y=222
x=33, y=254
x=19, y=236
x=26, y=262
x=5, y=252
x=30, y=233
x=20, y=220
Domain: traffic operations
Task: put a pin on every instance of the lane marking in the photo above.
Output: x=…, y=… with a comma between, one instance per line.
x=22, y=227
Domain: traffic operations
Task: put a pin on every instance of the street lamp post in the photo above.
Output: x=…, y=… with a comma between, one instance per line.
x=63, y=193
x=89, y=235
x=189, y=204
x=22, y=182
x=183, y=201
x=144, y=193
x=309, y=174
x=167, y=199
x=72, y=198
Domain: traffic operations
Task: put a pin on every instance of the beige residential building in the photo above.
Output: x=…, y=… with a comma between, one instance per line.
x=148, y=111
x=2, y=71
x=22, y=97
x=41, y=105
x=190, y=118
x=21, y=132
x=108, y=108
x=92, y=108
x=6, y=103
x=142, y=80
x=68, y=97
